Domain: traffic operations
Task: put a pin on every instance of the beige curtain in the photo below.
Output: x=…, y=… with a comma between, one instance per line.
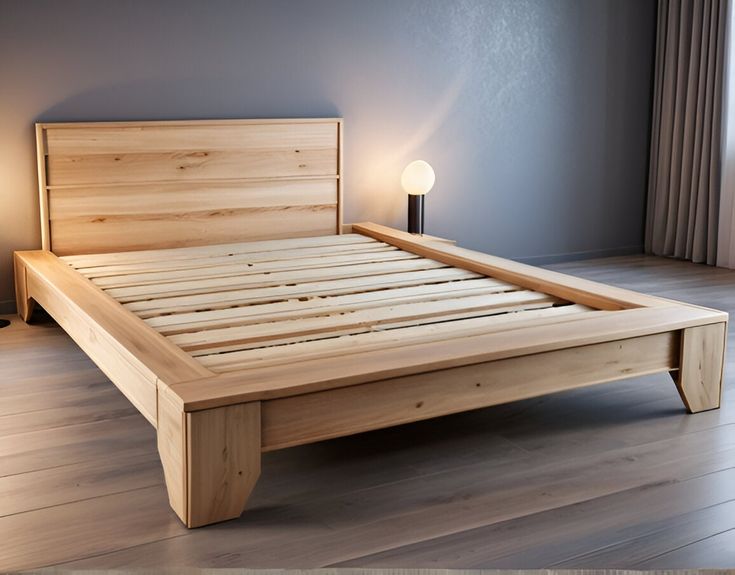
x=684, y=178
x=726, y=227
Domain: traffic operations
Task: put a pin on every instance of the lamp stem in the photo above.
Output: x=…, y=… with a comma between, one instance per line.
x=416, y=214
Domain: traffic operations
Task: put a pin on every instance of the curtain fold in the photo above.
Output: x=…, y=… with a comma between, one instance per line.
x=684, y=174
x=726, y=228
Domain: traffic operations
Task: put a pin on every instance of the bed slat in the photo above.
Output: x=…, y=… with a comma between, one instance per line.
x=261, y=303
x=188, y=253
x=288, y=278
x=306, y=307
x=316, y=349
x=249, y=268
x=213, y=261
x=225, y=299
x=361, y=320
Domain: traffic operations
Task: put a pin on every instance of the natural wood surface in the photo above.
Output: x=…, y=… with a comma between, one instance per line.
x=211, y=458
x=223, y=461
x=358, y=310
x=362, y=364
x=133, y=355
x=134, y=185
x=700, y=376
x=317, y=416
x=593, y=294
x=614, y=475
x=24, y=304
x=302, y=337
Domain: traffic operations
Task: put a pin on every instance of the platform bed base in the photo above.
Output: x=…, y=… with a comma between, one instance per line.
x=300, y=333
x=211, y=457
x=210, y=443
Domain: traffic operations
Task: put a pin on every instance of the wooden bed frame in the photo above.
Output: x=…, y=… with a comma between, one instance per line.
x=298, y=333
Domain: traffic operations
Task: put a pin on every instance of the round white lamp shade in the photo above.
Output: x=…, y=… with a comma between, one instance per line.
x=418, y=178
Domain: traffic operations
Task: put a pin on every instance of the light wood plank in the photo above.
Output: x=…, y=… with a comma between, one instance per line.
x=258, y=280
x=310, y=306
x=317, y=416
x=198, y=252
x=192, y=263
x=133, y=379
x=132, y=354
x=189, y=165
x=44, y=212
x=96, y=234
x=223, y=135
x=387, y=317
x=578, y=290
x=371, y=341
x=317, y=375
x=221, y=300
x=187, y=198
x=249, y=268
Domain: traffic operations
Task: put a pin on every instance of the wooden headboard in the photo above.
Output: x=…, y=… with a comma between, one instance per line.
x=120, y=186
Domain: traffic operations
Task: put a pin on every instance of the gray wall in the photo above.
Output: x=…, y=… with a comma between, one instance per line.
x=534, y=113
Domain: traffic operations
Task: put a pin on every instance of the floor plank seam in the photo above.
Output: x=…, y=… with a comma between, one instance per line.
x=653, y=557
x=73, y=501
x=652, y=531
x=506, y=519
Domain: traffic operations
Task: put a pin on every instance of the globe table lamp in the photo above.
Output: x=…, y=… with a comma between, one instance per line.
x=417, y=179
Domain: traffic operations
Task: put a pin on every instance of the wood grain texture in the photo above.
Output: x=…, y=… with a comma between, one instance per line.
x=581, y=291
x=262, y=247
x=103, y=233
x=241, y=303
x=317, y=416
x=223, y=454
x=134, y=356
x=211, y=458
x=23, y=302
x=311, y=375
x=699, y=380
x=129, y=185
x=41, y=156
x=171, y=441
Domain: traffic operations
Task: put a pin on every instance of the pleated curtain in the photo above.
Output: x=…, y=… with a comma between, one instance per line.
x=684, y=177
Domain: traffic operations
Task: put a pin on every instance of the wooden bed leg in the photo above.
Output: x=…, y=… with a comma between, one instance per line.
x=699, y=379
x=23, y=301
x=211, y=458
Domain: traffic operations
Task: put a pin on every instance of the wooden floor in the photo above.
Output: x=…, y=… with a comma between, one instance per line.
x=614, y=476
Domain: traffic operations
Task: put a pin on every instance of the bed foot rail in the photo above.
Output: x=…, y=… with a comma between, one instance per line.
x=699, y=379
x=211, y=458
x=23, y=301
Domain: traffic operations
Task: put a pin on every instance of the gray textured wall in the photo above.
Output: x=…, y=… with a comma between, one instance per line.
x=534, y=113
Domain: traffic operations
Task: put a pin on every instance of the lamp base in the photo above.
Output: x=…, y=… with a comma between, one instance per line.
x=416, y=214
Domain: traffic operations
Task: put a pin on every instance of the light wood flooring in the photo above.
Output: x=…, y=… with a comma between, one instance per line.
x=612, y=476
